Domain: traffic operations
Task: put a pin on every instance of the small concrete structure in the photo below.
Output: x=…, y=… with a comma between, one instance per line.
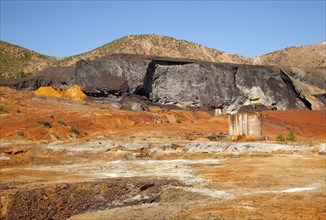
x=218, y=111
x=247, y=126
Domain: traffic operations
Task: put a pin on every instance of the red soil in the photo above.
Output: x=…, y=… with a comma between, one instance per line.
x=23, y=111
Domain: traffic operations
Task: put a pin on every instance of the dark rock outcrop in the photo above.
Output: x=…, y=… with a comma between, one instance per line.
x=186, y=84
x=116, y=75
x=314, y=77
x=134, y=103
x=57, y=77
x=321, y=98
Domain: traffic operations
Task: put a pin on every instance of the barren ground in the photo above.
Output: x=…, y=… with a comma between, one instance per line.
x=88, y=160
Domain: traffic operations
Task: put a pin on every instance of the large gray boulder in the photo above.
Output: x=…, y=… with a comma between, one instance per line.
x=183, y=83
x=195, y=85
x=223, y=86
x=116, y=75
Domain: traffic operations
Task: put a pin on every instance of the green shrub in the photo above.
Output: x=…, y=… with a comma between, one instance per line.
x=21, y=74
x=62, y=123
x=2, y=109
x=21, y=133
x=280, y=138
x=27, y=55
x=45, y=124
x=74, y=129
x=290, y=136
x=178, y=120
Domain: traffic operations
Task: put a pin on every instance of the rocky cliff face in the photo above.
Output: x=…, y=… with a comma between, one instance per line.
x=115, y=75
x=176, y=82
x=222, y=86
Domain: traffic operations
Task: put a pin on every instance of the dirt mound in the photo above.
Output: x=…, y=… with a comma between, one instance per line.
x=74, y=92
x=47, y=91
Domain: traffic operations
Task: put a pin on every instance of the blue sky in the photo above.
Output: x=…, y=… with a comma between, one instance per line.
x=249, y=28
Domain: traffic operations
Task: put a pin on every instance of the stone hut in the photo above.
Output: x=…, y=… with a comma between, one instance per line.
x=247, y=125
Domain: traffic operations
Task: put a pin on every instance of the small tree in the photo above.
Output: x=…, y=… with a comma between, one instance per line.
x=74, y=129
x=178, y=120
x=45, y=124
x=280, y=138
x=290, y=136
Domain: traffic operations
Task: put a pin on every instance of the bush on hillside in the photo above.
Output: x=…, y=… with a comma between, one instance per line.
x=280, y=138
x=290, y=136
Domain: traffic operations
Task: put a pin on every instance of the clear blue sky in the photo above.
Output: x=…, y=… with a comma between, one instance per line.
x=250, y=28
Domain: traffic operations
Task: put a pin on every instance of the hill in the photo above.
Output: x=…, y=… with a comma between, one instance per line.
x=17, y=62
x=310, y=56
x=156, y=45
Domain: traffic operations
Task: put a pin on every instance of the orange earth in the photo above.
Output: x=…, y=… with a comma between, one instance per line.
x=62, y=158
x=21, y=112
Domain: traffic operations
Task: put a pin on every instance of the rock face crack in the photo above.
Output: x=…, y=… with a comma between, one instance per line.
x=147, y=87
x=286, y=79
x=148, y=80
x=235, y=76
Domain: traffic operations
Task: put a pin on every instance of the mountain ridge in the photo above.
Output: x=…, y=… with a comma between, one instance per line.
x=156, y=45
x=18, y=62
x=296, y=57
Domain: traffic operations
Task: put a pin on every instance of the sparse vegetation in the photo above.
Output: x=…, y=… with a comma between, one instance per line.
x=17, y=62
x=280, y=137
x=74, y=129
x=178, y=120
x=296, y=57
x=290, y=136
x=21, y=74
x=62, y=123
x=151, y=44
x=45, y=124
x=27, y=56
x=4, y=109
x=21, y=133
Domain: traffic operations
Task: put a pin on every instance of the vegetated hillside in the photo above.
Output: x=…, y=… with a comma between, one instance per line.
x=17, y=62
x=310, y=56
x=156, y=45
